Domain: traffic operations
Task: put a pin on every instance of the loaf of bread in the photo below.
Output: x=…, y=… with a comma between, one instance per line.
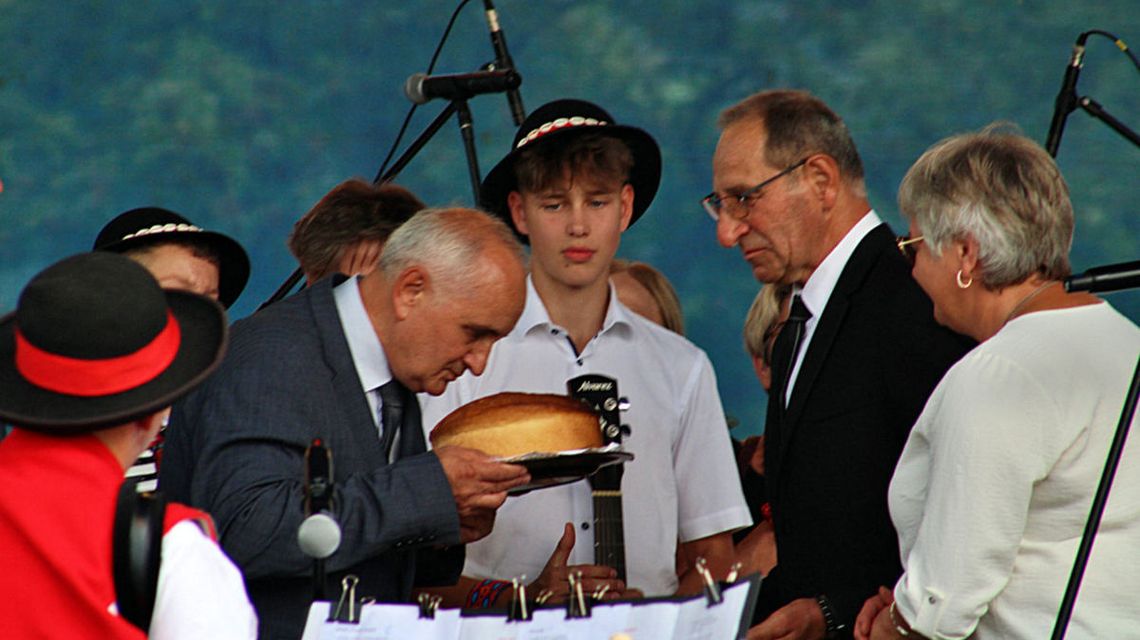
x=510, y=424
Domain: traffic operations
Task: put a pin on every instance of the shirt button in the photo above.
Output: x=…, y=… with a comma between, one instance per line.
x=585, y=525
x=579, y=362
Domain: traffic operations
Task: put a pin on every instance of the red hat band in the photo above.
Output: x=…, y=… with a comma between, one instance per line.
x=88, y=378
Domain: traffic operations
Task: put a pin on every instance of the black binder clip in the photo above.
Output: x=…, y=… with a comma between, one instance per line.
x=429, y=604
x=712, y=589
x=518, y=611
x=576, y=605
x=346, y=606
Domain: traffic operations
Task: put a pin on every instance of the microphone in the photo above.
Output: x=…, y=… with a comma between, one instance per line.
x=319, y=533
x=420, y=88
x=1106, y=279
x=1066, y=101
x=319, y=536
x=503, y=61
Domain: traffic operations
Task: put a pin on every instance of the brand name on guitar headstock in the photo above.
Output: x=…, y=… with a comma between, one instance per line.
x=595, y=386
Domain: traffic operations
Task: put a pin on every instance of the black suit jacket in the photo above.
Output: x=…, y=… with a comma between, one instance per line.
x=873, y=360
x=235, y=447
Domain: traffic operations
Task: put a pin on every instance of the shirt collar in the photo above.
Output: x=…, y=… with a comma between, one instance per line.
x=819, y=286
x=367, y=353
x=535, y=315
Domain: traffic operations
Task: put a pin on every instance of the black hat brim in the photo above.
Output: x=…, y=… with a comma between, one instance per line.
x=202, y=323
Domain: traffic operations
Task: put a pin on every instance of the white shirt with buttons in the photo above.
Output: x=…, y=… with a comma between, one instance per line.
x=682, y=484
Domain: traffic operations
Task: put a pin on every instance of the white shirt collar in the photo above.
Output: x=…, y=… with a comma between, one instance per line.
x=367, y=353
x=819, y=286
x=535, y=315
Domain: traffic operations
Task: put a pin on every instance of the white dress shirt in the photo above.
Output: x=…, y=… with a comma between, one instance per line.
x=817, y=290
x=682, y=484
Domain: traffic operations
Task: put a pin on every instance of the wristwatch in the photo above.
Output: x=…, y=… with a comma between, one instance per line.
x=830, y=618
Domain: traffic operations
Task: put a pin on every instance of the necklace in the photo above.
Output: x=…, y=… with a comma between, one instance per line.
x=1024, y=301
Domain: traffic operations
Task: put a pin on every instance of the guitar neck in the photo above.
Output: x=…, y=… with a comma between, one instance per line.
x=609, y=529
x=601, y=394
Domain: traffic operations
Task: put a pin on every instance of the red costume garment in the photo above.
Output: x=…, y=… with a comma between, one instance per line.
x=57, y=507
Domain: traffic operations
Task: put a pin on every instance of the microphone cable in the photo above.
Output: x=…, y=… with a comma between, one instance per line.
x=412, y=110
x=1120, y=44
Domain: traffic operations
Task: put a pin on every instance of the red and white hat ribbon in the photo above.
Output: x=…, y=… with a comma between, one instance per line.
x=556, y=125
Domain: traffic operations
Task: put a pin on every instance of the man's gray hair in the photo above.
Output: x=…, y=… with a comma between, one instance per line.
x=1003, y=190
x=449, y=243
x=798, y=124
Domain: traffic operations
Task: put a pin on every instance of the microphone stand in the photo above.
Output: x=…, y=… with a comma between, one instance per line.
x=1100, y=499
x=1093, y=108
x=1067, y=101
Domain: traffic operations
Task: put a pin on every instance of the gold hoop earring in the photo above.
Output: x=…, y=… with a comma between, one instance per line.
x=963, y=285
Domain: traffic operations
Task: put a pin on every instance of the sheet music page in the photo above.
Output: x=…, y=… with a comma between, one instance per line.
x=605, y=621
x=383, y=622
x=552, y=624
x=699, y=621
x=652, y=620
x=488, y=627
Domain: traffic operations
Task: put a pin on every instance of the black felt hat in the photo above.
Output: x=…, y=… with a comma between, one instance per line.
x=95, y=342
x=152, y=225
x=556, y=121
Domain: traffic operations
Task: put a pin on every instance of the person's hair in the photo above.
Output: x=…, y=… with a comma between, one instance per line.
x=592, y=156
x=1003, y=190
x=353, y=210
x=659, y=287
x=763, y=319
x=449, y=243
x=796, y=125
x=198, y=248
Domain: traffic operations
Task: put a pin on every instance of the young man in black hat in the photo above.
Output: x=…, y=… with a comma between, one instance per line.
x=180, y=255
x=573, y=182
x=89, y=363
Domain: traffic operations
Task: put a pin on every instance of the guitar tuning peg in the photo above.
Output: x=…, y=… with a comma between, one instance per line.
x=623, y=404
x=625, y=429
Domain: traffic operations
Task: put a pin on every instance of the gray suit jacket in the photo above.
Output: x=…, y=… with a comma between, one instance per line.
x=235, y=447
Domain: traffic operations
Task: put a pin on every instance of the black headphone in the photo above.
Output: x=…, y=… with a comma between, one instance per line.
x=137, y=552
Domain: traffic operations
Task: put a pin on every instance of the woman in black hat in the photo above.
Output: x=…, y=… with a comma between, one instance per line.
x=178, y=253
x=89, y=363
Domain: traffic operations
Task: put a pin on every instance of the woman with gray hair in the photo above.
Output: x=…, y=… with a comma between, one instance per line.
x=993, y=488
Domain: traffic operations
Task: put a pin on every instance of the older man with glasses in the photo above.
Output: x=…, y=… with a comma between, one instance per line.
x=852, y=366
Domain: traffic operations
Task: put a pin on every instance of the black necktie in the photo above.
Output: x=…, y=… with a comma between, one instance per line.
x=787, y=345
x=391, y=414
x=400, y=413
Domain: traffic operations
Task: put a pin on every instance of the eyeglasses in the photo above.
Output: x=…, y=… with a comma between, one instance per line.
x=907, y=247
x=737, y=206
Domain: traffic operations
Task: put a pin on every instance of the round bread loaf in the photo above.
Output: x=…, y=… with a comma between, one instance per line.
x=511, y=424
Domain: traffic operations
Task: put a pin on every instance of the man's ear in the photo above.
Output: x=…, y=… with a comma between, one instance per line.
x=821, y=173
x=411, y=288
x=626, y=205
x=518, y=212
